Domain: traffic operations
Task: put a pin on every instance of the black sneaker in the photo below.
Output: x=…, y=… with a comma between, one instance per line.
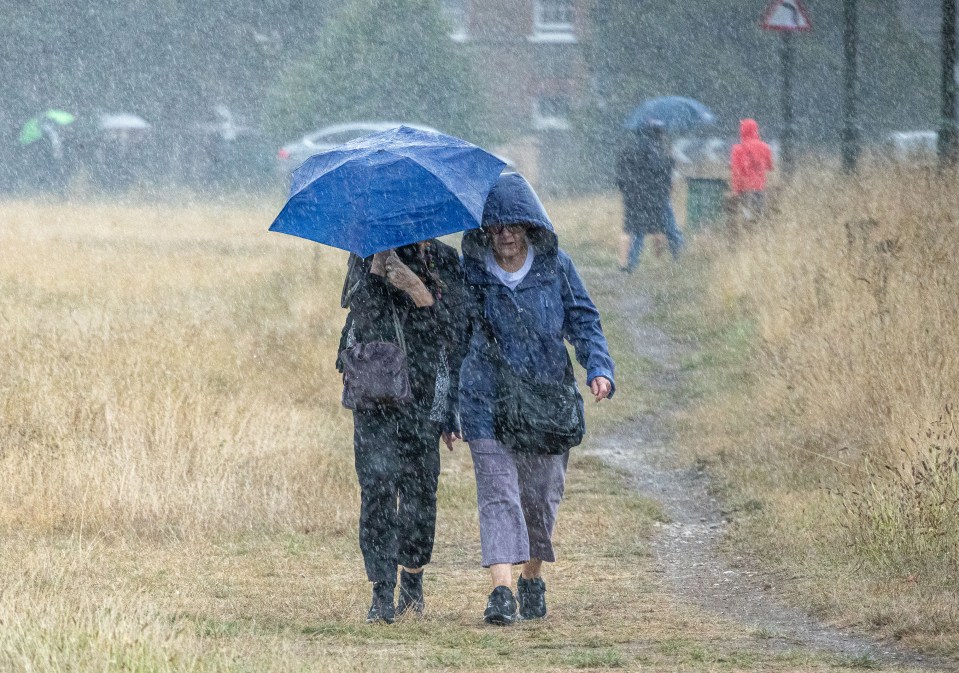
x=411, y=594
x=532, y=598
x=382, y=609
x=501, y=607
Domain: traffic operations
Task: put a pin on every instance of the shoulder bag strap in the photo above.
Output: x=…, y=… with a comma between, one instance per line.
x=398, y=326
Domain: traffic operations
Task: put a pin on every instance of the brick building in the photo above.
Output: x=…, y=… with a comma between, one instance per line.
x=532, y=54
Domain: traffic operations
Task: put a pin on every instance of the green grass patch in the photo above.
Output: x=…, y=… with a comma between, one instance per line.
x=601, y=658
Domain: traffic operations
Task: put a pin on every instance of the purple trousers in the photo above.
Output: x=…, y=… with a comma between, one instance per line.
x=518, y=496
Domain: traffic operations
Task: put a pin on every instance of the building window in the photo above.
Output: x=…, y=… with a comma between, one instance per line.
x=455, y=11
x=554, y=20
x=551, y=112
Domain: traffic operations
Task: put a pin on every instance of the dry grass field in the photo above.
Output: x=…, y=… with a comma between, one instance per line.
x=178, y=491
x=155, y=360
x=825, y=394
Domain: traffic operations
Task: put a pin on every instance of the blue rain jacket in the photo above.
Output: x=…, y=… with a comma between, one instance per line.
x=551, y=302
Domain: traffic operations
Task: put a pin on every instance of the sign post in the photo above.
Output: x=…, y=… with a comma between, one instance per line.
x=949, y=126
x=850, y=113
x=787, y=17
x=787, y=56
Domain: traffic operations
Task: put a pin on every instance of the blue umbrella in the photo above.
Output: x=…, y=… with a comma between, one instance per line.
x=677, y=114
x=389, y=189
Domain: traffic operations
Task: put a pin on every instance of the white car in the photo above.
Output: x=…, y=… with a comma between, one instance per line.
x=295, y=153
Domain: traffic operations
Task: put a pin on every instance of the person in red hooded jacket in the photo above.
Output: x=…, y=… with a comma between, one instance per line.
x=750, y=161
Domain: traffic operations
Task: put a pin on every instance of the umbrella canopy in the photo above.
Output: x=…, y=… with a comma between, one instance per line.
x=677, y=114
x=389, y=189
x=121, y=121
x=32, y=130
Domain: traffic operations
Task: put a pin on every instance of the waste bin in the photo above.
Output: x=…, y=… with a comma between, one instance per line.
x=704, y=201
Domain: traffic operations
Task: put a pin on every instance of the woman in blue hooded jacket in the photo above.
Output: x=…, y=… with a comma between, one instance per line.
x=529, y=301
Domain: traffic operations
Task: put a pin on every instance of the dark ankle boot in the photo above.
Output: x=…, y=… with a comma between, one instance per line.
x=411, y=593
x=382, y=609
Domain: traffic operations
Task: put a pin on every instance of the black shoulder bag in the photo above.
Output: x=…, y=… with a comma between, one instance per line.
x=534, y=416
x=376, y=374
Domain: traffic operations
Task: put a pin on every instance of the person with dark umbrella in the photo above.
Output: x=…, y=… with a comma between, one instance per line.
x=644, y=174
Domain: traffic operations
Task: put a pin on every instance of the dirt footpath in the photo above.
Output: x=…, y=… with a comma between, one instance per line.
x=687, y=549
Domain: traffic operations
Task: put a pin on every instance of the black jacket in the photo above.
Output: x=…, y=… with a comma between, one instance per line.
x=644, y=171
x=437, y=336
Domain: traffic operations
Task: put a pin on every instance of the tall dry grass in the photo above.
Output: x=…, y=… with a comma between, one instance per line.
x=178, y=490
x=159, y=372
x=846, y=427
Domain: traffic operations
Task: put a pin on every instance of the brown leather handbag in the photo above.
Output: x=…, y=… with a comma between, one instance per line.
x=376, y=374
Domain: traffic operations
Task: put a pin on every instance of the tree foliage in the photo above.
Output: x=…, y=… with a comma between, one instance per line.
x=167, y=60
x=383, y=60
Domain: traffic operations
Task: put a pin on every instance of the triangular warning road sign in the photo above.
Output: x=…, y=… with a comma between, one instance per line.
x=787, y=15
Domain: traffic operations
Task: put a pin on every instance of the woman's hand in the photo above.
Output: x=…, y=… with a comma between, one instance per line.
x=450, y=437
x=601, y=388
x=402, y=277
x=378, y=267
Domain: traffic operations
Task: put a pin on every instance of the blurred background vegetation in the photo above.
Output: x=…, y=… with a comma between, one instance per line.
x=381, y=59
x=285, y=67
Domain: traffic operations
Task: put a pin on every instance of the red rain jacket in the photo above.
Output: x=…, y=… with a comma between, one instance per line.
x=751, y=159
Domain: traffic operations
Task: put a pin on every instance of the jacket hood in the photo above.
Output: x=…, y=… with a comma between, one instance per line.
x=512, y=201
x=748, y=130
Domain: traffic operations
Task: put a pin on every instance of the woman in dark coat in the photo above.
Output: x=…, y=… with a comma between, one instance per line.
x=530, y=301
x=644, y=174
x=397, y=447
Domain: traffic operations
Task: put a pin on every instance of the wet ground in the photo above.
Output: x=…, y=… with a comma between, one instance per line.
x=688, y=548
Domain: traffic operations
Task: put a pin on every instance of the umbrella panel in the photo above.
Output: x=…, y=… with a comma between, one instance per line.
x=389, y=189
x=30, y=133
x=61, y=117
x=371, y=208
x=678, y=114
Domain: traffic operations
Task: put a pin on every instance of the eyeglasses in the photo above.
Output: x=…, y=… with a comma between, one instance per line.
x=497, y=229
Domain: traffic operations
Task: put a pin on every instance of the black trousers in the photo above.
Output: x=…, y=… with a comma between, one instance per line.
x=398, y=466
